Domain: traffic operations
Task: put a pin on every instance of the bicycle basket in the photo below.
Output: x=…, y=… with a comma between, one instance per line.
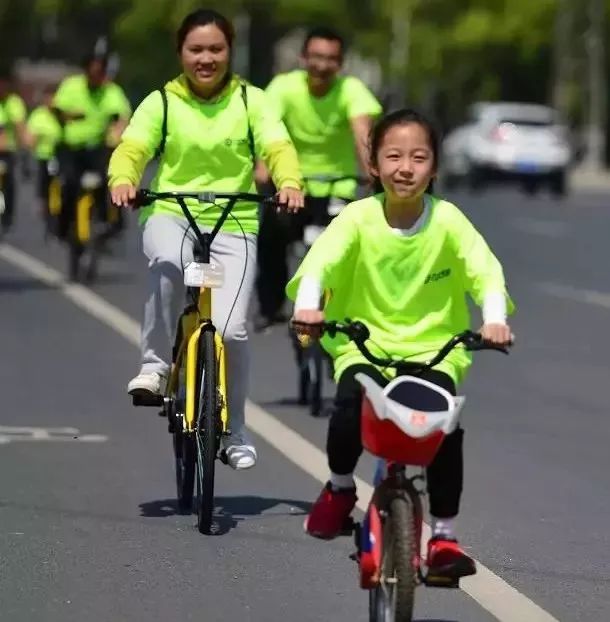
x=406, y=421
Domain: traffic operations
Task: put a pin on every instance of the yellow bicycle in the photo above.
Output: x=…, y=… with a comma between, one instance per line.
x=53, y=192
x=86, y=232
x=195, y=402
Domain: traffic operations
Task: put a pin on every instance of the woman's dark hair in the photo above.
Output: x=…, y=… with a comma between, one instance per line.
x=404, y=116
x=323, y=32
x=203, y=17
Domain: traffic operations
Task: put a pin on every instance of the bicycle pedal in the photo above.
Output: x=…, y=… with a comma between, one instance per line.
x=146, y=399
x=223, y=457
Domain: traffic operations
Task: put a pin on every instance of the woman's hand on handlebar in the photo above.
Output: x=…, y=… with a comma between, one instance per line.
x=308, y=322
x=497, y=334
x=292, y=198
x=123, y=195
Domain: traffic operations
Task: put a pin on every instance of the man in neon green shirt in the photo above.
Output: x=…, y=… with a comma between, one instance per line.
x=45, y=133
x=328, y=117
x=13, y=134
x=91, y=107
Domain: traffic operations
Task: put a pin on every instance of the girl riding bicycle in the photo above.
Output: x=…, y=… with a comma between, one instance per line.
x=206, y=128
x=402, y=262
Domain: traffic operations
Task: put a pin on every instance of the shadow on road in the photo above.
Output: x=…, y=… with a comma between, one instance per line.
x=22, y=285
x=230, y=511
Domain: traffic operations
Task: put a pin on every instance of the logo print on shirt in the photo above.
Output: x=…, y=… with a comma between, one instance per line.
x=437, y=276
x=236, y=141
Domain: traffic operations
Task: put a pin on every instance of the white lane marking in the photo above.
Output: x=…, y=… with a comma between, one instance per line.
x=12, y=434
x=494, y=594
x=567, y=292
x=546, y=228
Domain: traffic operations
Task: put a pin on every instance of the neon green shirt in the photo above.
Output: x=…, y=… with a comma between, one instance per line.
x=207, y=148
x=98, y=106
x=320, y=126
x=12, y=112
x=46, y=129
x=409, y=290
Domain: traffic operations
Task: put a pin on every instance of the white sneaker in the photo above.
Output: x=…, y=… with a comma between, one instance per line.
x=241, y=456
x=147, y=383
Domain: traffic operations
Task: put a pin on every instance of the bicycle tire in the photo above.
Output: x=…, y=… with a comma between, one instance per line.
x=207, y=431
x=75, y=252
x=393, y=602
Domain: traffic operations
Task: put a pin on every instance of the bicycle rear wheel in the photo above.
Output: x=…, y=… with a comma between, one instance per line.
x=392, y=600
x=208, y=436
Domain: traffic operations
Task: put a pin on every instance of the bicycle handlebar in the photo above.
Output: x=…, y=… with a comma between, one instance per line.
x=358, y=332
x=146, y=196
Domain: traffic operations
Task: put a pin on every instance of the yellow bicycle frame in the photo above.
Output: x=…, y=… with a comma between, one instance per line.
x=193, y=324
x=54, y=197
x=83, y=217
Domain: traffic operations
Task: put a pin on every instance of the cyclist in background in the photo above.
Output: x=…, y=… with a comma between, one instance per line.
x=402, y=261
x=328, y=117
x=91, y=107
x=13, y=134
x=215, y=124
x=45, y=133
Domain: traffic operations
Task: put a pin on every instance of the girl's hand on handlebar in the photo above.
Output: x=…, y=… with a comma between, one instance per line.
x=123, y=195
x=292, y=198
x=308, y=322
x=497, y=334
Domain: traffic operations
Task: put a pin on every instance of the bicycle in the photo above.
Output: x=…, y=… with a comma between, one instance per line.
x=4, y=170
x=310, y=357
x=53, y=195
x=388, y=540
x=195, y=401
x=92, y=216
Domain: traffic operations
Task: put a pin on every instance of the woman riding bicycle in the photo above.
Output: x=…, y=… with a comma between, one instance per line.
x=402, y=262
x=214, y=125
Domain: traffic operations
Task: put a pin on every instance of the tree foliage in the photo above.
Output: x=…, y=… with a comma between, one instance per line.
x=439, y=53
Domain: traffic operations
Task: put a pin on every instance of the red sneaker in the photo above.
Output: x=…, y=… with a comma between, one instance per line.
x=330, y=512
x=446, y=559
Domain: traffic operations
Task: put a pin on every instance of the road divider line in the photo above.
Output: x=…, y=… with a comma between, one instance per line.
x=489, y=590
x=586, y=296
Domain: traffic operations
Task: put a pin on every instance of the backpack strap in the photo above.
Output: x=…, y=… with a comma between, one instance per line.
x=244, y=96
x=161, y=147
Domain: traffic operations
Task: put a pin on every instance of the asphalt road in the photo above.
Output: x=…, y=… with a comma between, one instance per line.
x=88, y=528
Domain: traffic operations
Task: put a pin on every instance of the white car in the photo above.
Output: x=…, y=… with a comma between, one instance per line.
x=508, y=141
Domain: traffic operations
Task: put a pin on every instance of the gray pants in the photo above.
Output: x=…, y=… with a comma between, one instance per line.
x=169, y=246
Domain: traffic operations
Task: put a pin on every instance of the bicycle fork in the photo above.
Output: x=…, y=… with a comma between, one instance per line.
x=390, y=481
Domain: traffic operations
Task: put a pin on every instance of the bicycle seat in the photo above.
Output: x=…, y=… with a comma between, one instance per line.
x=91, y=180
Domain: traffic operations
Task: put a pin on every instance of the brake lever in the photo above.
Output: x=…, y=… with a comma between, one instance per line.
x=142, y=199
x=475, y=342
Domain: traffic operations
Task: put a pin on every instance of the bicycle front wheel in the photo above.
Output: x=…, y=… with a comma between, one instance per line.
x=392, y=600
x=208, y=436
